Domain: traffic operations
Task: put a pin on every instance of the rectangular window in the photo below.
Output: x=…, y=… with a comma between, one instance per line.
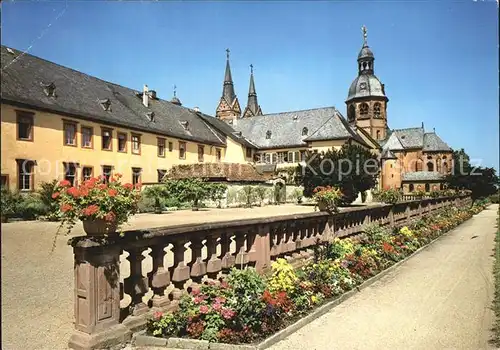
x=170, y=146
x=4, y=181
x=107, y=138
x=249, y=153
x=218, y=154
x=161, y=174
x=290, y=157
x=136, y=144
x=25, y=175
x=258, y=157
x=106, y=172
x=182, y=150
x=296, y=157
x=122, y=142
x=281, y=157
x=136, y=176
x=161, y=147
x=24, y=126
x=274, y=158
x=87, y=173
x=201, y=151
x=87, y=134
x=302, y=156
x=70, y=173
x=69, y=133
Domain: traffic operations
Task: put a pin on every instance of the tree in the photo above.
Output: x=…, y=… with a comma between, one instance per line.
x=261, y=193
x=247, y=193
x=352, y=168
x=157, y=192
x=482, y=182
x=189, y=190
x=217, y=192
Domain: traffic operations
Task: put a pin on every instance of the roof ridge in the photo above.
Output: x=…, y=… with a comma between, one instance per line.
x=300, y=110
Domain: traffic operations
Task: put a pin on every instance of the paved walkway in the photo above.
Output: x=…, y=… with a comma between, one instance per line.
x=452, y=280
x=439, y=299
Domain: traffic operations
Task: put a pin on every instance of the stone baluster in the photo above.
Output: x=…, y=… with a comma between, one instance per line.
x=136, y=285
x=262, y=245
x=197, y=265
x=228, y=259
x=214, y=264
x=241, y=259
x=97, y=295
x=159, y=277
x=275, y=241
x=180, y=273
x=252, y=248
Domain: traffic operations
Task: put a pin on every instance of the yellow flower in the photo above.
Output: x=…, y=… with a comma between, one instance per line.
x=314, y=299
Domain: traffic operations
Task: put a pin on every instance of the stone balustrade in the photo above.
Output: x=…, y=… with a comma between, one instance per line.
x=110, y=306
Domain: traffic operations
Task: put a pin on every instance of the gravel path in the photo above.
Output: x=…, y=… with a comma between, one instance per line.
x=439, y=299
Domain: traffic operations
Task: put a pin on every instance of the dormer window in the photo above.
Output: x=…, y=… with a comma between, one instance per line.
x=106, y=104
x=304, y=131
x=185, y=124
x=376, y=110
x=363, y=109
x=295, y=117
x=151, y=116
x=268, y=134
x=238, y=134
x=49, y=89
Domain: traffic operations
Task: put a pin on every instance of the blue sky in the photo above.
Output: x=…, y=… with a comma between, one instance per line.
x=438, y=60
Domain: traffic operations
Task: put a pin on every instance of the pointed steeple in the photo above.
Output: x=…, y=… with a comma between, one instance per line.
x=253, y=107
x=228, y=90
x=228, y=107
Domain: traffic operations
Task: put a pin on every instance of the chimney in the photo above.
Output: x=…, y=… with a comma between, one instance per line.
x=152, y=94
x=196, y=109
x=145, y=96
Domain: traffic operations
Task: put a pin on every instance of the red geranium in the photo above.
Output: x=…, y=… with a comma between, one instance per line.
x=112, y=192
x=90, y=210
x=64, y=183
x=55, y=195
x=73, y=191
x=66, y=207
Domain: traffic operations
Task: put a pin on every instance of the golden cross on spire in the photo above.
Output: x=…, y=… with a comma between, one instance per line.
x=363, y=28
x=227, y=53
x=251, y=68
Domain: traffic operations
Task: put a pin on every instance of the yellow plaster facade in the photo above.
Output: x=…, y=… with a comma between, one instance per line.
x=49, y=152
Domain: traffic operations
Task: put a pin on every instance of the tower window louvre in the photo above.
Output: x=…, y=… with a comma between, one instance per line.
x=363, y=109
x=376, y=110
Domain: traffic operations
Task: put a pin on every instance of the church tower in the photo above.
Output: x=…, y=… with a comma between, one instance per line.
x=366, y=101
x=252, y=108
x=229, y=107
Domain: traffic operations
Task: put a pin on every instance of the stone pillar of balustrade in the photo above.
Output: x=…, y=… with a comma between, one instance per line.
x=262, y=248
x=97, y=295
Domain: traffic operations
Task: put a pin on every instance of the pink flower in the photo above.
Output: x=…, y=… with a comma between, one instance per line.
x=55, y=195
x=228, y=314
x=204, y=309
x=217, y=307
x=195, y=291
x=158, y=315
x=198, y=299
x=220, y=300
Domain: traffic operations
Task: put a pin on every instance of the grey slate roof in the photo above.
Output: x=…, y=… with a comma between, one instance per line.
x=422, y=176
x=365, y=85
x=78, y=95
x=432, y=142
x=387, y=154
x=223, y=129
x=286, y=128
x=410, y=137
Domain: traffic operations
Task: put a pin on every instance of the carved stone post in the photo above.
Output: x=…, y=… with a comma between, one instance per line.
x=97, y=296
x=159, y=277
x=262, y=246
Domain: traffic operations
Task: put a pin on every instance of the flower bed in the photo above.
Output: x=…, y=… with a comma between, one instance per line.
x=246, y=307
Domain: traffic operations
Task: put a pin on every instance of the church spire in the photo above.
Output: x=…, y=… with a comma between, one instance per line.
x=253, y=107
x=228, y=90
x=228, y=107
x=365, y=57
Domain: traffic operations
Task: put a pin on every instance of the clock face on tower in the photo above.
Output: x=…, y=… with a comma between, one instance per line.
x=362, y=86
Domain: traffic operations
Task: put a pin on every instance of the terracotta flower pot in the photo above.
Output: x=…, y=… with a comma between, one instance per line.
x=99, y=227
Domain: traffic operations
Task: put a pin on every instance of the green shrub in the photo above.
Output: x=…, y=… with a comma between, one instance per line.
x=9, y=202
x=389, y=196
x=46, y=190
x=495, y=198
x=217, y=192
x=31, y=206
x=146, y=205
x=261, y=193
x=232, y=196
x=247, y=194
x=157, y=193
x=435, y=194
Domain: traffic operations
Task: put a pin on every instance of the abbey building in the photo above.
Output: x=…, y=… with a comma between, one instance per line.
x=60, y=123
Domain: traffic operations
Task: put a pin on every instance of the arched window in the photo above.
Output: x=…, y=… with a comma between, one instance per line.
x=268, y=134
x=363, y=109
x=445, y=167
x=418, y=165
x=430, y=166
x=376, y=110
x=438, y=165
x=378, y=134
x=427, y=188
x=412, y=188
x=351, y=113
x=304, y=131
